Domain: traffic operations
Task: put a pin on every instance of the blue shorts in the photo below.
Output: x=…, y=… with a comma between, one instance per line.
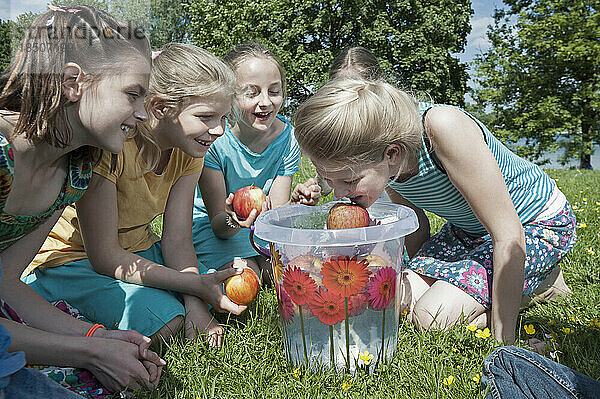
x=109, y=301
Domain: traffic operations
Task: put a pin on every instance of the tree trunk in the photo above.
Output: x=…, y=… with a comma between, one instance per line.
x=587, y=145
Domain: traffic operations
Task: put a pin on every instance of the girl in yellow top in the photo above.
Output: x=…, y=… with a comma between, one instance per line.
x=114, y=268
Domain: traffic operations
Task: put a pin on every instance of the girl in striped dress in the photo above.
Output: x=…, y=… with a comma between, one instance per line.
x=508, y=224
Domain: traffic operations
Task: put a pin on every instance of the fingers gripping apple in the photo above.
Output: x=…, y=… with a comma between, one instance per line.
x=247, y=198
x=242, y=288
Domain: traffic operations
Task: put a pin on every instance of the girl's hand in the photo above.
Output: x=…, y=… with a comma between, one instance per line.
x=118, y=366
x=210, y=290
x=235, y=221
x=307, y=193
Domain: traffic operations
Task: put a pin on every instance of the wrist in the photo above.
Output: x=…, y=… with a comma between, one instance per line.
x=94, y=329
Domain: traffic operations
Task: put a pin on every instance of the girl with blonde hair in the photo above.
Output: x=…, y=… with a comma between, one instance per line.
x=508, y=223
x=258, y=148
x=103, y=257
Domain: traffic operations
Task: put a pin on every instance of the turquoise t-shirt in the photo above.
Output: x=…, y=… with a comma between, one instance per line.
x=240, y=167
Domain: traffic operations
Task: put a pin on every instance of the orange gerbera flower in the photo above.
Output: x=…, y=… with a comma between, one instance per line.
x=382, y=288
x=276, y=263
x=344, y=276
x=299, y=285
x=328, y=307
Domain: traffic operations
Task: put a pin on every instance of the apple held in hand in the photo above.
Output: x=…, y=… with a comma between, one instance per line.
x=347, y=216
x=247, y=198
x=242, y=288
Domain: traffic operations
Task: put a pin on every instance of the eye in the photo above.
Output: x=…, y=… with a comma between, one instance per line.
x=351, y=182
x=204, y=117
x=274, y=92
x=133, y=95
x=250, y=93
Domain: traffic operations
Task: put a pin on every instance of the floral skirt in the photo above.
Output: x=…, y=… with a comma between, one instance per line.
x=454, y=256
x=80, y=381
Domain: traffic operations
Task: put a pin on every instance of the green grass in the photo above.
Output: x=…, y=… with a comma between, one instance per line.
x=252, y=364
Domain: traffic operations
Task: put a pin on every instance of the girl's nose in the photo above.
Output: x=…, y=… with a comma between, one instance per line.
x=141, y=115
x=218, y=129
x=264, y=99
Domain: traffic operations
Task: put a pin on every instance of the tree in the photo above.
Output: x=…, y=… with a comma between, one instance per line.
x=5, y=44
x=541, y=77
x=414, y=40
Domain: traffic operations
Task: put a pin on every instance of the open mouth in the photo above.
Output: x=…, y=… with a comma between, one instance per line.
x=262, y=115
x=205, y=143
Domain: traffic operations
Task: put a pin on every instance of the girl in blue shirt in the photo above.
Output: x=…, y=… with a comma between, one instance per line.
x=258, y=148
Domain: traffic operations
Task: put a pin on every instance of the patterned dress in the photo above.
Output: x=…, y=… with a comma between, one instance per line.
x=14, y=227
x=462, y=252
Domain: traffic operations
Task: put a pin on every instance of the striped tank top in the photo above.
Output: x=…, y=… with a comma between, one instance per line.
x=529, y=187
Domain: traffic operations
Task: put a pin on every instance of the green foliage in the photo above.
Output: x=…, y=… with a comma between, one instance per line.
x=5, y=41
x=414, y=41
x=541, y=76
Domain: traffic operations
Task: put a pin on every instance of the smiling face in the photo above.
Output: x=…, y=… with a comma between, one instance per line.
x=110, y=108
x=199, y=122
x=261, y=92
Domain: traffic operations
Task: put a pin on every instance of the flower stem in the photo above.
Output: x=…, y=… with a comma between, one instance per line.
x=347, y=335
x=331, y=346
x=381, y=355
x=303, y=336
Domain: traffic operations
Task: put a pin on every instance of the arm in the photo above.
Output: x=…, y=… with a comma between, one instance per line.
x=413, y=241
x=178, y=250
x=279, y=194
x=214, y=192
x=29, y=305
x=471, y=167
x=55, y=338
x=98, y=219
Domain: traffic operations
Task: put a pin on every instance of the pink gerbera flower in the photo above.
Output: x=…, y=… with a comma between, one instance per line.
x=382, y=287
x=286, y=306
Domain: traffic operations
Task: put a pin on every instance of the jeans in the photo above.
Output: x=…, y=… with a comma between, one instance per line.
x=31, y=384
x=513, y=373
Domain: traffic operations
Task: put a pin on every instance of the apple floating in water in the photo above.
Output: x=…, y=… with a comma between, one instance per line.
x=347, y=216
x=242, y=288
x=247, y=198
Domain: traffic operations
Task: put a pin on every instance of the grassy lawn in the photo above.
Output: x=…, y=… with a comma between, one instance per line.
x=251, y=364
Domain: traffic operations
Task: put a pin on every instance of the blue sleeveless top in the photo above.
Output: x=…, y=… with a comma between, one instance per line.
x=431, y=189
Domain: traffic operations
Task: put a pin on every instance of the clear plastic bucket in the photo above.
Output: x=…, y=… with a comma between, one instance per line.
x=338, y=290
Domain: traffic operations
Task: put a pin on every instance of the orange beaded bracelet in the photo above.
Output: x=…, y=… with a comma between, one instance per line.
x=93, y=329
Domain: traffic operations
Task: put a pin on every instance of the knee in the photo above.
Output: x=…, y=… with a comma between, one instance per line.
x=427, y=316
x=169, y=330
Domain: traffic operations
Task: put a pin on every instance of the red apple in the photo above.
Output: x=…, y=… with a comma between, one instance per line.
x=347, y=216
x=242, y=288
x=310, y=264
x=247, y=198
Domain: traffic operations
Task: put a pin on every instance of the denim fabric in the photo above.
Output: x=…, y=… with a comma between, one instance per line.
x=31, y=384
x=515, y=373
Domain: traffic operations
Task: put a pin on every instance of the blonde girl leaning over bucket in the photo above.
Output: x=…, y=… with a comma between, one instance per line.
x=104, y=258
x=508, y=223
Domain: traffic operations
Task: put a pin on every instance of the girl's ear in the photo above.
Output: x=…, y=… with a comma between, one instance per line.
x=158, y=108
x=71, y=83
x=393, y=154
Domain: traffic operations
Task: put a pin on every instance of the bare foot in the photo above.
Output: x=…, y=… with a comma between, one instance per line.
x=202, y=323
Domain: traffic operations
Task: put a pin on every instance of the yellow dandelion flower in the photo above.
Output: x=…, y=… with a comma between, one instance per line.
x=366, y=357
x=572, y=319
x=476, y=378
x=297, y=372
x=591, y=251
x=597, y=203
x=585, y=199
x=485, y=333
x=448, y=380
x=566, y=330
x=471, y=326
x=454, y=350
x=404, y=312
x=595, y=322
x=529, y=329
x=346, y=385
x=551, y=321
x=582, y=225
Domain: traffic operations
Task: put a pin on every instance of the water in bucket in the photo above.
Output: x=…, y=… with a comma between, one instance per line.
x=338, y=290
